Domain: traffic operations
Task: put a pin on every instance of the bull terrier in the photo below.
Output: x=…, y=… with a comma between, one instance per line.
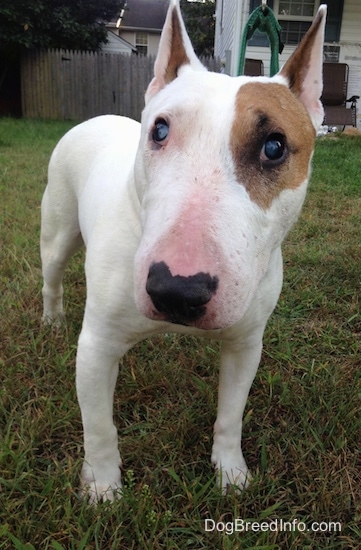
x=182, y=217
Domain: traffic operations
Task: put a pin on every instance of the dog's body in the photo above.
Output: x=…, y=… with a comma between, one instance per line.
x=183, y=219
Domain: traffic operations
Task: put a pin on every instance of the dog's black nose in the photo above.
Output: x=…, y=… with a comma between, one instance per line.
x=181, y=299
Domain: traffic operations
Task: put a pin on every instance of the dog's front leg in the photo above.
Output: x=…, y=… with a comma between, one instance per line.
x=96, y=374
x=238, y=369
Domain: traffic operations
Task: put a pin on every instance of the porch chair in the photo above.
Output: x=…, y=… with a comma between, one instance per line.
x=253, y=67
x=335, y=80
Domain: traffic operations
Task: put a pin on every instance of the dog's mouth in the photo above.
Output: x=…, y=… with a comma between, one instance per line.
x=187, y=319
x=207, y=321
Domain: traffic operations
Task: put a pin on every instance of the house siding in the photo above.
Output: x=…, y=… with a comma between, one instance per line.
x=114, y=45
x=225, y=22
x=350, y=48
x=350, y=30
x=231, y=16
x=153, y=40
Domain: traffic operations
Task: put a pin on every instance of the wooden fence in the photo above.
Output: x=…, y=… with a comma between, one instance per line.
x=68, y=85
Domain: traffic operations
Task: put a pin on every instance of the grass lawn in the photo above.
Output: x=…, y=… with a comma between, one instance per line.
x=302, y=429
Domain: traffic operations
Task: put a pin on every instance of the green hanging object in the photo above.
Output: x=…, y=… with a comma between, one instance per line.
x=263, y=19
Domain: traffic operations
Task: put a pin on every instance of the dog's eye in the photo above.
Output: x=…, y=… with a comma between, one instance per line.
x=160, y=130
x=274, y=150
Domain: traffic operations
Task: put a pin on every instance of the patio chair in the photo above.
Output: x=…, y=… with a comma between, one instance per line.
x=335, y=79
x=253, y=67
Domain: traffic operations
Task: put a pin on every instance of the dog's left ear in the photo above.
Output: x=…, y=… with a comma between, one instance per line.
x=303, y=70
x=175, y=51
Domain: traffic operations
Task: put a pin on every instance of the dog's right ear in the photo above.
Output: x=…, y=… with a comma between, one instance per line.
x=303, y=70
x=175, y=51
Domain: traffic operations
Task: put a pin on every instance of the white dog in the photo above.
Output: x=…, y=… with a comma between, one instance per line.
x=183, y=218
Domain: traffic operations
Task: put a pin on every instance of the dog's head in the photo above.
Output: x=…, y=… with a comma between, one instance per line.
x=221, y=173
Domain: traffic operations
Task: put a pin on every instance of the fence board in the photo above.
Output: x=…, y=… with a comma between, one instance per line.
x=73, y=85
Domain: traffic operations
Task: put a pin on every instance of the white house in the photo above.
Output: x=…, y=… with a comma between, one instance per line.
x=140, y=24
x=343, y=34
x=116, y=44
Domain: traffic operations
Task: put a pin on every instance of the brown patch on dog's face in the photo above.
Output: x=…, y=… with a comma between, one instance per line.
x=272, y=140
x=178, y=53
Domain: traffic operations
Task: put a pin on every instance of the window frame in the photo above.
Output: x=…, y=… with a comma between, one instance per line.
x=139, y=36
x=297, y=18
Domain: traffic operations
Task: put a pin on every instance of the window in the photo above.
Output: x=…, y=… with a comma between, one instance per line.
x=296, y=9
x=295, y=18
x=141, y=42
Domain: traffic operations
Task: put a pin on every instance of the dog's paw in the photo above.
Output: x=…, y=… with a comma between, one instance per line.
x=100, y=488
x=233, y=479
x=232, y=471
x=95, y=493
x=54, y=320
